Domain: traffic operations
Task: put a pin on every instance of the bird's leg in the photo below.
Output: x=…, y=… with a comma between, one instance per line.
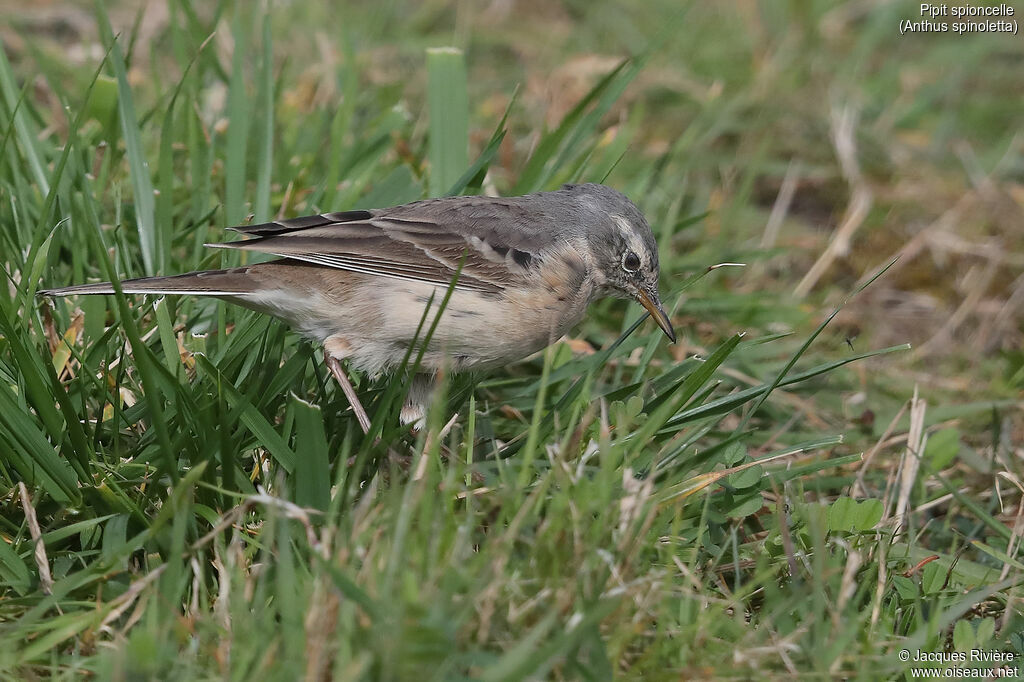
x=334, y=365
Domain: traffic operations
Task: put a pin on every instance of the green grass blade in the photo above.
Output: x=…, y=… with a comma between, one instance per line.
x=238, y=126
x=734, y=400
x=312, y=468
x=26, y=137
x=683, y=392
x=474, y=175
x=265, y=153
x=262, y=430
x=32, y=454
x=807, y=344
x=537, y=171
x=14, y=574
x=448, y=112
x=142, y=182
x=141, y=354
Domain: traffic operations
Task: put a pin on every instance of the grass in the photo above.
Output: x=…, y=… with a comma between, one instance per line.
x=790, y=490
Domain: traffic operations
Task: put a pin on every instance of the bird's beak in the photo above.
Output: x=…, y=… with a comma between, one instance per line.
x=649, y=300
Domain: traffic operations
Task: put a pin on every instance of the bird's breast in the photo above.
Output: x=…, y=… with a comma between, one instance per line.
x=476, y=329
x=489, y=330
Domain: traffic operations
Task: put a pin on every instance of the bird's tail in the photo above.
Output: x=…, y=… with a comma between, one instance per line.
x=233, y=282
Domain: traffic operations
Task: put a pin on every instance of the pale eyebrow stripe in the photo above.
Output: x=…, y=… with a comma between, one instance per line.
x=635, y=244
x=623, y=226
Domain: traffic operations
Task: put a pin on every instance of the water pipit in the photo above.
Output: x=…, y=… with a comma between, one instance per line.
x=358, y=282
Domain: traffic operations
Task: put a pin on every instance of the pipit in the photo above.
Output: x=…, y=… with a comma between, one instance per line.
x=359, y=282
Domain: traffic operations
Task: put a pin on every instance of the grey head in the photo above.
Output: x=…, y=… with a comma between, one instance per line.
x=621, y=246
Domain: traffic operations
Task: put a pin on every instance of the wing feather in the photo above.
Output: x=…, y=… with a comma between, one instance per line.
x=495, y=241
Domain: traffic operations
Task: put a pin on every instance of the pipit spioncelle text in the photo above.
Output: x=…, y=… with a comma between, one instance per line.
x=358, y=282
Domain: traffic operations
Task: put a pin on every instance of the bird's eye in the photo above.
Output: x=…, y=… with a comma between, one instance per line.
x=630, y=262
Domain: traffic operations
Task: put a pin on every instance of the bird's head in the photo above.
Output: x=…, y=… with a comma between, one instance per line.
x=622, y=248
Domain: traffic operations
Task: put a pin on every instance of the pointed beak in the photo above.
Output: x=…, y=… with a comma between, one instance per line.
x=649, y=300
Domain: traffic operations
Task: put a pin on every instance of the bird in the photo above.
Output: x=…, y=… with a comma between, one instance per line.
x=518, y=271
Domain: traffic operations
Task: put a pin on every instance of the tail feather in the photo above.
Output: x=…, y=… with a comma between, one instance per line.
x=233, y=282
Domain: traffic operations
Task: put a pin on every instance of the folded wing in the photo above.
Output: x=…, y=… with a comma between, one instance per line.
x=482, y=238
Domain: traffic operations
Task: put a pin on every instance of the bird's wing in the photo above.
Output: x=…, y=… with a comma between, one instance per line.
x=495, y=241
